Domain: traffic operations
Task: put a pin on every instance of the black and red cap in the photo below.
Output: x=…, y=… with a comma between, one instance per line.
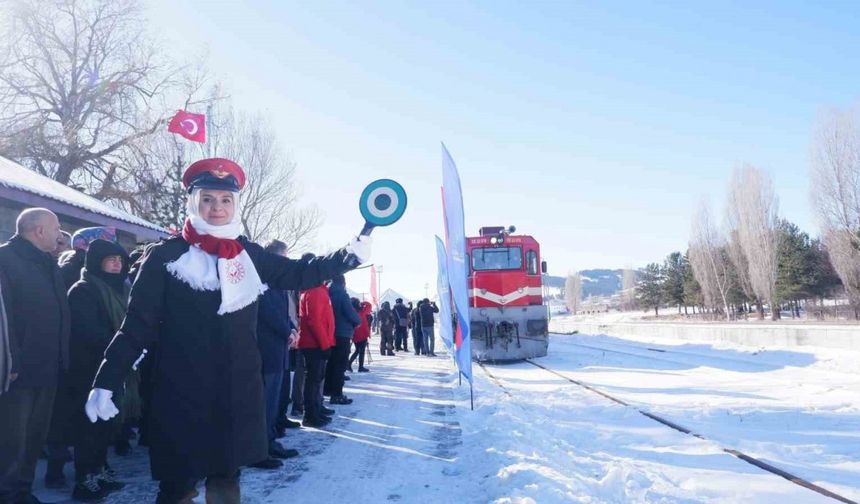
x=214, y=173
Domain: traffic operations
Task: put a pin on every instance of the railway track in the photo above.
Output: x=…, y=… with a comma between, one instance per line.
x=797, y=480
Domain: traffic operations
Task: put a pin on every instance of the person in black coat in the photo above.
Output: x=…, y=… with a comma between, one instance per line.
x=275, y=332
x=401, y=316
x=386, y=322
x=346, y=319
x=426, y=312
x=37, y=312
x=417, y=333
x=196, y=296
x=98, y=305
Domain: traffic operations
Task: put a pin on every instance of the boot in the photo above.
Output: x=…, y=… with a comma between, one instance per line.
x=268, y=464
x=363, y=370
x=278, y=451
x=88, y=489
x=107, y=480
x=340, y=399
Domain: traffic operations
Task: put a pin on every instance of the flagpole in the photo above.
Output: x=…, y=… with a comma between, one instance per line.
x=209, y=130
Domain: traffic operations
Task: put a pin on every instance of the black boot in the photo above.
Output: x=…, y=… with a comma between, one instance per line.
x=268, y=464
x=88, y=489
x=107, y=480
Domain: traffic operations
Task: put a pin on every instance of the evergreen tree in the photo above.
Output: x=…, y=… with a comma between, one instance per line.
x=673, y=279
x=795, y=258
x=650, y=290
x=692, y=290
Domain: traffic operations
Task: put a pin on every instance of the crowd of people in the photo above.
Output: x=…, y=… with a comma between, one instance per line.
x=202, y=345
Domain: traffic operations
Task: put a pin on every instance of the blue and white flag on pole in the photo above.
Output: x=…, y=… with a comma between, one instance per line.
x=455, y=235
x=446, y=330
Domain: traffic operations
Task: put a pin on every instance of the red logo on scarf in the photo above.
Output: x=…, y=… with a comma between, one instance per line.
x=235, y=271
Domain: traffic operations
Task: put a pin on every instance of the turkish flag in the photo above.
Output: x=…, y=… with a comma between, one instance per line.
x=191, y=126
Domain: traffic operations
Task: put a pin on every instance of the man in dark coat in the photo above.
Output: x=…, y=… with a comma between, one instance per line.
x=401, y=329
x=98, y=305
x=38, y=321
x=386, y=323
x=346, y=319
x=426, y=311
x=196, y=296
x=275, y=331
x=417, y=334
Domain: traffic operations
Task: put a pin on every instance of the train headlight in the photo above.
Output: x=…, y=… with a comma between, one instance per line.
x=483, y=312
x=493, y=240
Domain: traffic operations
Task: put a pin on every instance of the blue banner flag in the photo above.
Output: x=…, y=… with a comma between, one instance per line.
x=446, y=329
x=455, y=236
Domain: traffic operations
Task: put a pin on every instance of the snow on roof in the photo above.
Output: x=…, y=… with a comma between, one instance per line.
x=15, y=176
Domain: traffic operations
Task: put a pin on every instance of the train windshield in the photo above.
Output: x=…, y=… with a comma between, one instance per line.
x=501, y=258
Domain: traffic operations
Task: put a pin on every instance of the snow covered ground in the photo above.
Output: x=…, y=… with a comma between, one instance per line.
x=410, y=436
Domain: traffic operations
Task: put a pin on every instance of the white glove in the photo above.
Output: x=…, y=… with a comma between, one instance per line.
x=360, y=248
x=139, y=359
x=99, y=405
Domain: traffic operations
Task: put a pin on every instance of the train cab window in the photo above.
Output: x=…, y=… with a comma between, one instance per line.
x=532, y=262
x=497, y=258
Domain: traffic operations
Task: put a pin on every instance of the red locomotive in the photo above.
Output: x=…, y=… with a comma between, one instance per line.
x=508, y=318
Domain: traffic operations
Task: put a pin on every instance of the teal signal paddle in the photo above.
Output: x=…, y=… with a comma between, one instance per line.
x=382, y=203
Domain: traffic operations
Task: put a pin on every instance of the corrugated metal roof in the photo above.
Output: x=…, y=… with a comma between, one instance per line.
x=15, y=176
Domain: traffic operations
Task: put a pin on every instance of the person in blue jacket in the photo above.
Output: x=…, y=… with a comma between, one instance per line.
x=346, y=319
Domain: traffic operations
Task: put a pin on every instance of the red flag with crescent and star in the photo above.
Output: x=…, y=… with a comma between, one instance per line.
x=189, y=125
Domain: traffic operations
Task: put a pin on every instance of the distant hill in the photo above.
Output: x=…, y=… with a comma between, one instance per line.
x=595, y=282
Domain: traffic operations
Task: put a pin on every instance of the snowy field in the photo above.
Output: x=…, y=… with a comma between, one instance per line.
x=536, y=437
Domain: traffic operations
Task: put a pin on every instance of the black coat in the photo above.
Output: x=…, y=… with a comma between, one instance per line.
x=401, y=315
x=207, y=408
x=71, y=264
x=91, y=326
x=427, y=310
x=37, y=313
x=273, y=330
x=346, y=319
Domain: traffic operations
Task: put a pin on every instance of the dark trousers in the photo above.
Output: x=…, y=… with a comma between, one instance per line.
x=417, y=340
x=359, y=352
x=219, y=490
x=401, y=336
x=91, y=444
x=25, y=417
x=298, y=393
x=272, y=383
x=386, y=343
x=336, y=367
x=314, y=374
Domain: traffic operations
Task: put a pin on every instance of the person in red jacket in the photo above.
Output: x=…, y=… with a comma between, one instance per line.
x=316, y=338
x=361, y=335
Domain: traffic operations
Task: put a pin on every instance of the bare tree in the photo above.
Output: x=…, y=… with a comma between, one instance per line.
x=628, y=289
x=270, y=200
x=573, y=291
x=80, y=85
x=709, y=260
x=835, y=172
x=753, y=210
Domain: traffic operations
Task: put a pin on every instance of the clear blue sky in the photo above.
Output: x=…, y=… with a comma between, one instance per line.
x=595, y=127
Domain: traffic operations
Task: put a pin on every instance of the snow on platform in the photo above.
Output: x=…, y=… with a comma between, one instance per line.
x=410, y=436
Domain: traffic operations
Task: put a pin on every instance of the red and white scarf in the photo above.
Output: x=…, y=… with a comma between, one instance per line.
x=216, y=260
